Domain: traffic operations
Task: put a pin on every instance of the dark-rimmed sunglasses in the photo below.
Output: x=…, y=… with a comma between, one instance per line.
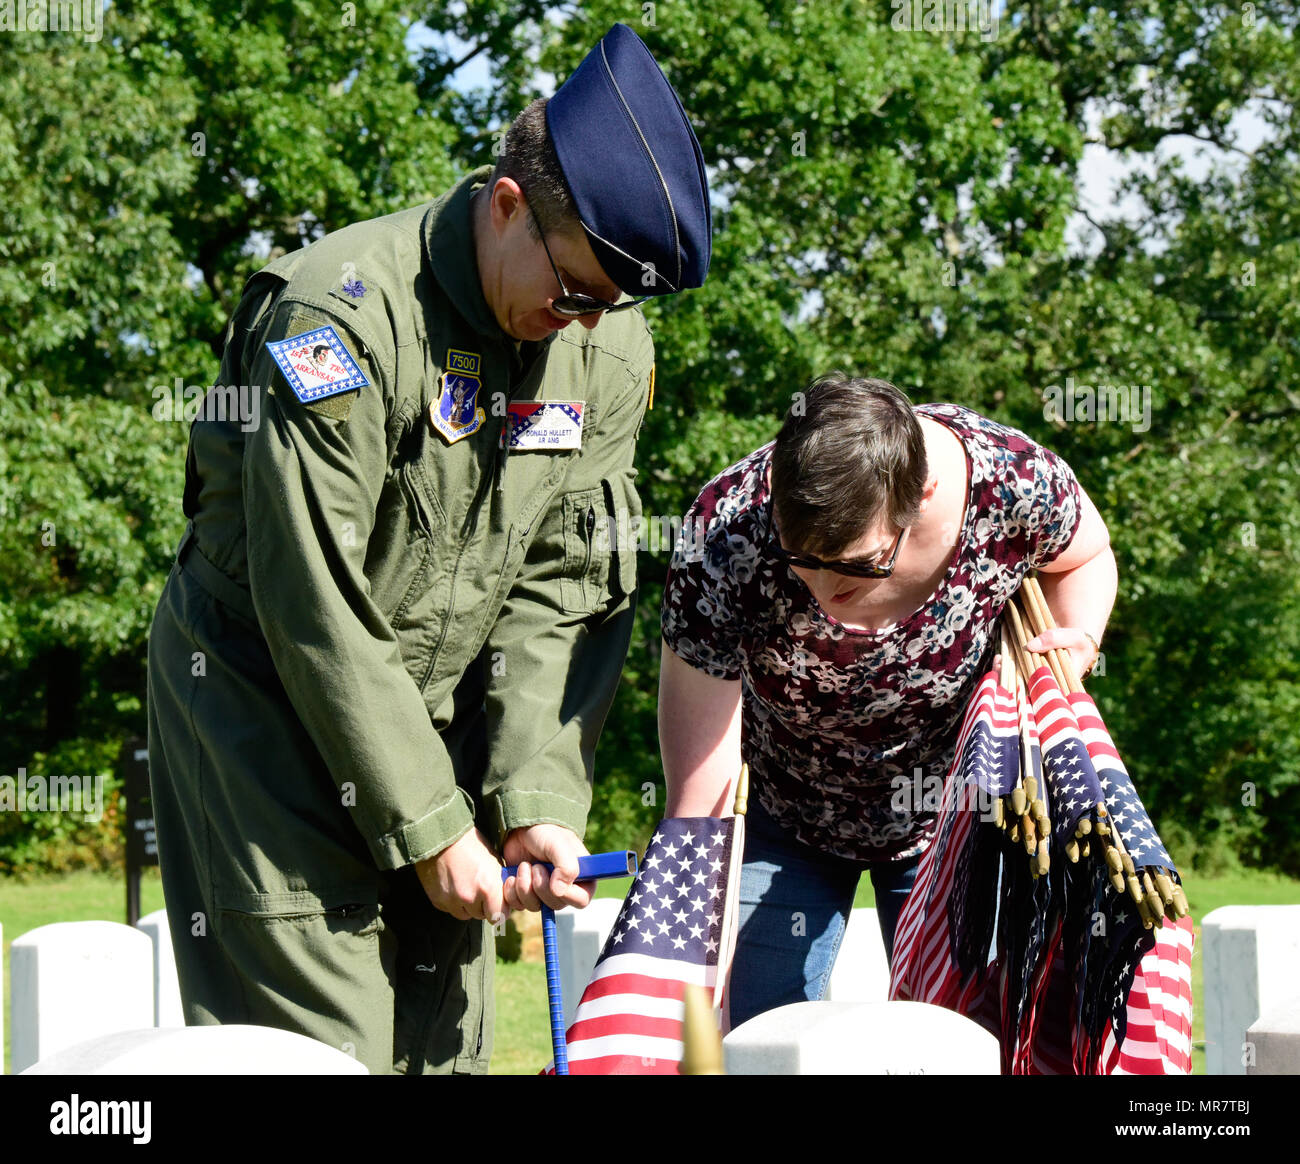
x=851, y=568
x=572, y=304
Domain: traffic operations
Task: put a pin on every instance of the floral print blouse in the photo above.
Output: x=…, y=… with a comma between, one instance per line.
x=844, y=730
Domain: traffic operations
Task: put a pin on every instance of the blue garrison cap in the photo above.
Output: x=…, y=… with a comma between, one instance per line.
x=634, y=168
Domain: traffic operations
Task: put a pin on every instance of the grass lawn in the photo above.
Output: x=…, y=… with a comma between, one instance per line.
x=522, y=1044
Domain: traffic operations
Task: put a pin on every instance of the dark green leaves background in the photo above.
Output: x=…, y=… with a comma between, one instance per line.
x=889, y=202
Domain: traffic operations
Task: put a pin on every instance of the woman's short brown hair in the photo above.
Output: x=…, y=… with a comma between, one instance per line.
x=850, y=453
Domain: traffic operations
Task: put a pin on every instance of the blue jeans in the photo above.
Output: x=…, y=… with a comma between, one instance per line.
x=794, y=905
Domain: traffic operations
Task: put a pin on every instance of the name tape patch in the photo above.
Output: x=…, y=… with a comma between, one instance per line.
x=317, y=364
x=545, y=425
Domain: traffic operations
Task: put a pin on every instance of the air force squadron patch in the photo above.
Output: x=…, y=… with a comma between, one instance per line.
x=456, y=414
x=543, y=425
x=317, y=365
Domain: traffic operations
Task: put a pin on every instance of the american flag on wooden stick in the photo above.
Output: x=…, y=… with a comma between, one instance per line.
x=677, y=926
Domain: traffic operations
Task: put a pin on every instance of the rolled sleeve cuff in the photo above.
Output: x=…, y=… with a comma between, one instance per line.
x=518, y=810
x=429, y=835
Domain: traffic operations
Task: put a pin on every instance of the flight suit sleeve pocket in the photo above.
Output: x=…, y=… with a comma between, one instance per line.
x=625, y=508
x=600, y=543
x=587, y=550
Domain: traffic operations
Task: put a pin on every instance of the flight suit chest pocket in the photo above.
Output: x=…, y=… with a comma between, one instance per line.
x=399, y=555
x=596, y=559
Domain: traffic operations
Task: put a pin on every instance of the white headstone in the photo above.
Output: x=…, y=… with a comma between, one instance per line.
x=71, y=981
x=861, y=972
x=861, y=1038
x=580, y=936
x=1276, y=1039
x=167, y=1011
x=214, y=1050
x=1251, y=954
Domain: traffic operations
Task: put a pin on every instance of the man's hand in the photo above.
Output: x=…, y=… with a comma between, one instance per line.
x=464, y=880
x=531, y=888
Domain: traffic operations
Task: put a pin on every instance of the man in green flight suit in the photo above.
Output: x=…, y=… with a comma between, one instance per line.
x=395, y=626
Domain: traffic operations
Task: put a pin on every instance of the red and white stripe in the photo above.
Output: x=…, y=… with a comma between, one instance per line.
x=1052, y=711
x=1158, y=1035
x=923, y=970
x=1101, y=748
x=629, y=1020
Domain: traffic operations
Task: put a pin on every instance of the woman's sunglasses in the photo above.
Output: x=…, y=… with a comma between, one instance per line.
x=852, y=567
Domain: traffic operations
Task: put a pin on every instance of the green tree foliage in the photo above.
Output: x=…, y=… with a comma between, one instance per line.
x=146, y=177
x=893, y=202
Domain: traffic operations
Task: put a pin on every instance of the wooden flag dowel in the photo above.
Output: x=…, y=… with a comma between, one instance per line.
x=1165, y=886
x=1007, y=675
x=1145, y=913
x=1019, y=638
x=701, y=1041
x=1040, y=613
x=1030, y=593
x=1064, y=661
x=1154, y=902
x=1059, y=673
x=1018, y=801
x=742, y=791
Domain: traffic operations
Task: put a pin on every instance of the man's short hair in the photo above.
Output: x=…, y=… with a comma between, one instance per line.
x=850, y=453
x=528, y=156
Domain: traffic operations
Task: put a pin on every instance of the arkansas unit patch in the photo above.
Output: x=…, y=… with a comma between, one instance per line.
x=317, y=364
x=456, y=414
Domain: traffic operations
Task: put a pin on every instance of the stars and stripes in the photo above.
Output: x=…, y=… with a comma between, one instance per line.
x=673, y=929
x=1157, y=1037
x=1072, y=779
x=1123, y=804
x=1070, y=981
x=932, y=954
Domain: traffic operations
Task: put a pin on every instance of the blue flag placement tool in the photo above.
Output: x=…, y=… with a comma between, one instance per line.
x=619, y=863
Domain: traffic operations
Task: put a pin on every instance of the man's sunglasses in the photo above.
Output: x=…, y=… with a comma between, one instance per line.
x=572, y=304
x=852, y=568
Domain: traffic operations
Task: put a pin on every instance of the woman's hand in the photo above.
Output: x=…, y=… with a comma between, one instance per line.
x=1083, y=651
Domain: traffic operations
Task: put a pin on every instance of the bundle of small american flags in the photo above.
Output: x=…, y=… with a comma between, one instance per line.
x=1080, y=962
